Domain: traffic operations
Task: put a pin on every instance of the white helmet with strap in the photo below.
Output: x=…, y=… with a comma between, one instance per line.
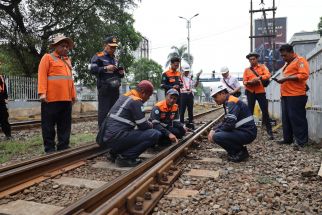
x=217, y=88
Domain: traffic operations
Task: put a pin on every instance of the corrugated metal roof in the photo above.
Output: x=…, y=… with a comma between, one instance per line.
x=304, y=37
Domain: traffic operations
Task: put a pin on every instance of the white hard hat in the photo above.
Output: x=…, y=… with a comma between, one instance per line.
x=224, y=70
x=186, y=68
x=217, y=88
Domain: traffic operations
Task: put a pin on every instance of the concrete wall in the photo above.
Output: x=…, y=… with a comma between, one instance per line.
x=27, y=110
x=314, y=105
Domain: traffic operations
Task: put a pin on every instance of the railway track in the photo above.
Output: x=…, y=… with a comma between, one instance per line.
x=21, y=176
x=33, y=124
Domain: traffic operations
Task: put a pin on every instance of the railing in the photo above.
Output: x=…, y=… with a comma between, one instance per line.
x=21, y=88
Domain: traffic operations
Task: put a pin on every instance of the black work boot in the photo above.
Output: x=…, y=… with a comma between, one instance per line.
x=191, y=126
x=297, y=147
x=270, y=133
x=240, y=156
x=9, y=137
x=283, y=142
x=127, y=162
x=111, y=156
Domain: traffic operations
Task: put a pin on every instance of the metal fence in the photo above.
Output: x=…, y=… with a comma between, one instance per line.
x=314, y=104
x=26, y=89
x=21, y=88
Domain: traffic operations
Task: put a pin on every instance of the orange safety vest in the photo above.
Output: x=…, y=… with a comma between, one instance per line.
x=55, y=78
x=299, y=67
x=174, y=77
x=249, y=75
x=167, y=114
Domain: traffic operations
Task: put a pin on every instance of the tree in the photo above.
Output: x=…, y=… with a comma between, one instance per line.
x=27, y=26
x=180, y=53
x=320, y=26
x=146, y=69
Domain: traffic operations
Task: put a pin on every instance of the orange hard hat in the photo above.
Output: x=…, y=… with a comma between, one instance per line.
x=146, y=86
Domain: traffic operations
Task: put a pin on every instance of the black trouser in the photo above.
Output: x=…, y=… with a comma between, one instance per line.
x=263, y=104
x=52, y=114
x=4, y=119
x=179, y=132
x=233, y=141
x=186, y=102
x=105, y=102
x=294, y=119
x=131, y=144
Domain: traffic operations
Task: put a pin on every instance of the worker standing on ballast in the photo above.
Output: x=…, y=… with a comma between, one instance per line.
x=57, y=94
x=105, y=67
x=171, y=79
x=254, y=79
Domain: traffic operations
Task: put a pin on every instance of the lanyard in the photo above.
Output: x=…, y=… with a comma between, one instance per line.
x=185, y=85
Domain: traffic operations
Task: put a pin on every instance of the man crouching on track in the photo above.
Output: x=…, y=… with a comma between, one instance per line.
x=165, y=118
x=238, y=127
x=118, y=131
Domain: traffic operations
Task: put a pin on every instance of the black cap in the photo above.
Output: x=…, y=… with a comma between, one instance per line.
x=252, y=54
x=111, y=41
x=173, y=92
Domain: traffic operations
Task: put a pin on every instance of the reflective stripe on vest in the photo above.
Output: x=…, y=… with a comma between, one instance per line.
x=123, y=105
x=140, y=121
x=54, y=57
x=243, y=121
x=121, y=119
x=60, y=77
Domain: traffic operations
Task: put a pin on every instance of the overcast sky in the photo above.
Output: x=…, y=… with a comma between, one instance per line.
x=219, y=35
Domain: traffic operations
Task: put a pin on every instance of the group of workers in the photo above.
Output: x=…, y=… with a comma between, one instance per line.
x=123, y=126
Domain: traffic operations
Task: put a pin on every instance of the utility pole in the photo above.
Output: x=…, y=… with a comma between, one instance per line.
x=271, y=35
x=251, y=26
x=188, y=38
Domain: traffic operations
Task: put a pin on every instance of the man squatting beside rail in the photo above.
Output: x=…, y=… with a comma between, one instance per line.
x=238, y=127
x=118, y=132
x=165, y=118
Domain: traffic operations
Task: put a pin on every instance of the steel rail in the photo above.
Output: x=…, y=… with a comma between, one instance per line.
x=22, y=173
x=44, y=168
x=20, y=125
x=43, y=157
x=99, y=199
x=122, y=202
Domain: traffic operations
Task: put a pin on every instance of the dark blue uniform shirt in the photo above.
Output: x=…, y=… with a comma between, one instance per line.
x=237, y=116
x=98, y=62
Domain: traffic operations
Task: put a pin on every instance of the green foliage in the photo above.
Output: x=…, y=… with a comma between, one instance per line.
x=180, y=53
x=199, y=89
x=26, y=27
x=146, y=69
x=320, y=26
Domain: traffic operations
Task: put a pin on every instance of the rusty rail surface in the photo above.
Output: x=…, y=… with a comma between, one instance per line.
x=16, y=177
x=145, y=181
x=19, y=176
